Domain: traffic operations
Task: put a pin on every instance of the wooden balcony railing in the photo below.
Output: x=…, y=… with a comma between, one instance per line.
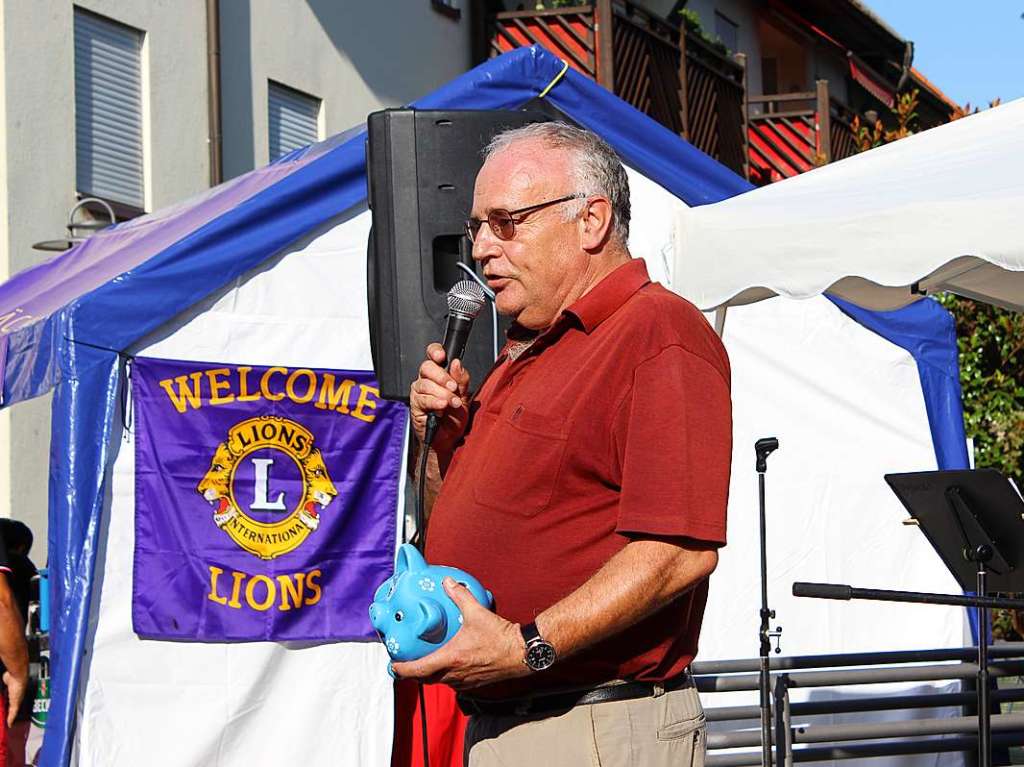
x=567, y=32
x=794, y=132
x=715, y=96
x=689, y=87
x=646, y=61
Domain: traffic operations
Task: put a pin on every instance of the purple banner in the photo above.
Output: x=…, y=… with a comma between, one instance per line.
x=265, y=501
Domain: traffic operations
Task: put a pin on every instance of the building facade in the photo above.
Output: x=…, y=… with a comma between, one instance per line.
x=137, y=103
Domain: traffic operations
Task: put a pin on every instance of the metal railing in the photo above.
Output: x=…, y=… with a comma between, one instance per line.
x=917, y=736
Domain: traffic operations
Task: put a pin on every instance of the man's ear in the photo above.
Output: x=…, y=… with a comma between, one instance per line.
x=596, y=221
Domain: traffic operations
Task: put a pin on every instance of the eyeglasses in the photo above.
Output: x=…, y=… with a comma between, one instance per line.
x=503, y=222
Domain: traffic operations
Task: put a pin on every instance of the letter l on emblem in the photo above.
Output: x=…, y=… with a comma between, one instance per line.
x=261, y=487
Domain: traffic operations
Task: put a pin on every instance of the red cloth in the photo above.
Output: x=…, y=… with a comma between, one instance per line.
x=4, y=731
x=446, y=726
x=616, y=422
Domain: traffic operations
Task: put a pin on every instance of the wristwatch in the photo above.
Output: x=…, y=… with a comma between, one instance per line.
x=540, y=653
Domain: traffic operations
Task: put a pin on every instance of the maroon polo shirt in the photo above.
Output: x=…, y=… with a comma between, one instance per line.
x=614, y=424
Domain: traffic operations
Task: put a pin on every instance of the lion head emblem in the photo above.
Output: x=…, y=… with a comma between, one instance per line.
x=319, y=486
x=215, y=485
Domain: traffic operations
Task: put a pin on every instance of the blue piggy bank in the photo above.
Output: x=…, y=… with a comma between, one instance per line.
x=411, y=611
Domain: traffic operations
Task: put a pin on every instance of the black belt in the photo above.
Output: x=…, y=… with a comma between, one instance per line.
x=557, y=702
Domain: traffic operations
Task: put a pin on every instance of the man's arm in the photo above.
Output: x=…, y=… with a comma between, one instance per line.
x=13, y=650
x=641, y=578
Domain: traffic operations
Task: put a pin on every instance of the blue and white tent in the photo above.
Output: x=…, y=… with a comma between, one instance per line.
x=270, y=269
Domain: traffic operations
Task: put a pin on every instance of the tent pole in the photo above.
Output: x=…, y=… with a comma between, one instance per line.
x=720, y=319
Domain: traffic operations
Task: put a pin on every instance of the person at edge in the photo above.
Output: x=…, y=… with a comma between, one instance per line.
x=585, y=483
x=13, y=653
x=18, y=538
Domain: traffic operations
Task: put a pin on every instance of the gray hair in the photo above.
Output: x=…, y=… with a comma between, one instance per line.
x=596, y=167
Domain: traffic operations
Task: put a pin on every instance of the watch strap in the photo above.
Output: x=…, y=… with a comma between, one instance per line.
x=530, y=633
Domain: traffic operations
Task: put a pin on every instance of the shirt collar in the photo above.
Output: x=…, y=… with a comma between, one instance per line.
x=609, y=294
x=593, y=308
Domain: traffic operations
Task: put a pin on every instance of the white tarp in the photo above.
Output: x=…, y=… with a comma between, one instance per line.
x=941, y=209
x=844, y=402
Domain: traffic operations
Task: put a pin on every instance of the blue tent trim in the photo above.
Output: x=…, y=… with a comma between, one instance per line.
x=77, y=349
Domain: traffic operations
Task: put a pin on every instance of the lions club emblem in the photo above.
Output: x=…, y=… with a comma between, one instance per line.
x=267, y=484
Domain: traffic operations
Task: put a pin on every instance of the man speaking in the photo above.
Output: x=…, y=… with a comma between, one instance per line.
x=585, y=483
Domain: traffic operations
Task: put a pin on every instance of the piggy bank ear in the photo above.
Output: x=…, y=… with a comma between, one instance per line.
x=433, y=624
x=409, y=559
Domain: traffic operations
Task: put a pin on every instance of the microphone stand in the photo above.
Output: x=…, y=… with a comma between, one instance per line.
x=763, y=448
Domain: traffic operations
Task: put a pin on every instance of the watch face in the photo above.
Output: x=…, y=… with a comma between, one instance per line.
x=540, y=656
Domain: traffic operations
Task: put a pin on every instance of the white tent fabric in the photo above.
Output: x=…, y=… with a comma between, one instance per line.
x=847, y=408
x=261, y=703
x=940, y=210
x=845, y=403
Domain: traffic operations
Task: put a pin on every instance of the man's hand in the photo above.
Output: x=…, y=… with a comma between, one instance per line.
x=442, y=392
x=16, y=687
x=486, y=649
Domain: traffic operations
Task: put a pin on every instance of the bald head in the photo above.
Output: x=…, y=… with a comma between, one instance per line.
x=593, y=166
x=559, y=238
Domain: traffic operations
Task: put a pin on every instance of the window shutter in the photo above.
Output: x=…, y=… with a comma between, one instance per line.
x=293, y=120
x=108, y=109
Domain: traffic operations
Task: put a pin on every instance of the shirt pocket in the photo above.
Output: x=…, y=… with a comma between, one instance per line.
x=524, y=459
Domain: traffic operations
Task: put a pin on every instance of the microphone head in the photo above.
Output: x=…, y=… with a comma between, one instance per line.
x=466, y=298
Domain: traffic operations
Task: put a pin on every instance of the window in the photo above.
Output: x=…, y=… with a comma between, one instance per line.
x=728, y=32
x=294, y=120
x=108, y=110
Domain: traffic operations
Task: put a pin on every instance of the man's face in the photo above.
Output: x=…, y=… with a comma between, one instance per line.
x=532, y=274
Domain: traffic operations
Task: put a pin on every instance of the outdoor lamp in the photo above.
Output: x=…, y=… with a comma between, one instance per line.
x=79, y=231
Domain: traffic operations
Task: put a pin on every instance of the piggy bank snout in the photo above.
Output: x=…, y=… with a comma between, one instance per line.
x=377, y=614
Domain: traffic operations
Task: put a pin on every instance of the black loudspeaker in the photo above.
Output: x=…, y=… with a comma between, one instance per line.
x=421, y=167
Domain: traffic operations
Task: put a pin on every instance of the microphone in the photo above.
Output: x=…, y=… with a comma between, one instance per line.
x=465, y=300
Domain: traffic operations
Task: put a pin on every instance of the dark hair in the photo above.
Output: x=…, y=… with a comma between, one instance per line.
x=16, y=534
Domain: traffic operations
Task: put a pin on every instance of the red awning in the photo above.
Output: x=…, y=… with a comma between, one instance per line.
x=870, y=82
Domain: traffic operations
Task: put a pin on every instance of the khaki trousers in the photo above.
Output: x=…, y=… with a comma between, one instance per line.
x=658, y=731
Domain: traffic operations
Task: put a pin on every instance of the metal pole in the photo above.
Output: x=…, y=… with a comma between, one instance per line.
x=213, y=106
x=984, y=721
x=762, y=449
x=766, y=615
x=783, y=757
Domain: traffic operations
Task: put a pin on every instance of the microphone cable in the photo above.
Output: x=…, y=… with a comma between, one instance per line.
x=490, y=296
x=465, y=300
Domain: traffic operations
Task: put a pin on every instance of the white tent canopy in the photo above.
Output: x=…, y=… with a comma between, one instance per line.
x=938, y=211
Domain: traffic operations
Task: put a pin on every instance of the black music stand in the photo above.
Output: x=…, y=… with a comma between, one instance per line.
x=975, y=522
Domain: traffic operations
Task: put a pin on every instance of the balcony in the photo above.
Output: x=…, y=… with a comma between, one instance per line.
x=792, y=133
x=676, y=78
